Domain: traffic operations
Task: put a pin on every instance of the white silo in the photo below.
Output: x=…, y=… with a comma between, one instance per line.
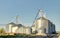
x=9, y=27
x=42, y=23
x=28, y=30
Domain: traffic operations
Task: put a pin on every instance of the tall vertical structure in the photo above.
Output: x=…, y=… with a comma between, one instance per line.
x=40, y=13
x=17, y=19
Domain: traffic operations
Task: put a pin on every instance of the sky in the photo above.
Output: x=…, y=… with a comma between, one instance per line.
x=27, y=10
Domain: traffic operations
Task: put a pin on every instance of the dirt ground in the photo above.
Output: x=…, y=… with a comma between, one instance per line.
x=59, y=36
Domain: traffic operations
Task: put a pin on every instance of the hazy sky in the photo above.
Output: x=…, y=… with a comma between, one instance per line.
x=27, y=10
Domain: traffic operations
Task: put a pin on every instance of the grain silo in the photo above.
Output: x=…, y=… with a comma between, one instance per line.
x=42, y=25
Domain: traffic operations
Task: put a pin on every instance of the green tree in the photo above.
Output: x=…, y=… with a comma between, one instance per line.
x=2, y=30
